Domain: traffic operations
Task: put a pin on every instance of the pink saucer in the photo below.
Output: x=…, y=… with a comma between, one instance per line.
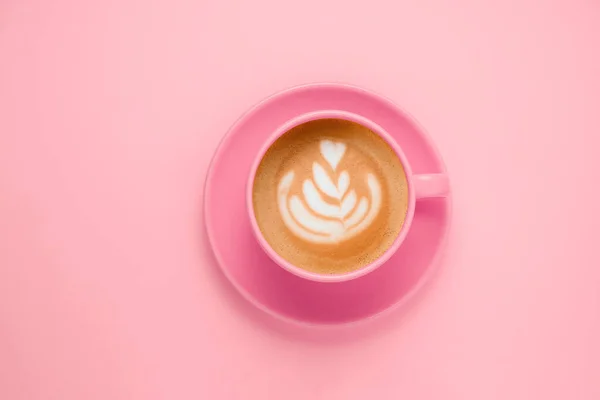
x=277, y=291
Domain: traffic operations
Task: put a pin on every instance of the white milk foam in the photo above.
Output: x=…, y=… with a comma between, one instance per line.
x=313, y=218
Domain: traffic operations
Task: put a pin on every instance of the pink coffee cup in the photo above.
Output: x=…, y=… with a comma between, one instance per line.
x=420, y=186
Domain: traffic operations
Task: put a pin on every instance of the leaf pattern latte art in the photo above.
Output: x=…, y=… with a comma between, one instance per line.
x=312, y=217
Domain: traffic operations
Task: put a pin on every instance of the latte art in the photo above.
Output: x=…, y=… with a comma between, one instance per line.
x=330, y=196
x=315, y=218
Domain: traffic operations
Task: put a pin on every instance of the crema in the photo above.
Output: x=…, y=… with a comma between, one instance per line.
x=330, y=196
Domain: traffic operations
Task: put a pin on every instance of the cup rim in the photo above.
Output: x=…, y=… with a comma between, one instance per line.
x=313, y=116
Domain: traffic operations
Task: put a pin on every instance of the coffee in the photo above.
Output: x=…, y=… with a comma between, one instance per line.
x=330, y=196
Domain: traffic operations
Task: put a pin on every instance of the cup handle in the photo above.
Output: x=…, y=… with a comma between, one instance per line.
x=431, y=185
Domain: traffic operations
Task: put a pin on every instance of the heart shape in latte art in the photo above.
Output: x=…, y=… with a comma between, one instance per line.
x=328, y=210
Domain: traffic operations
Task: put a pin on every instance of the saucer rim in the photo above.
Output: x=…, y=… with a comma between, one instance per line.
x=434, y=264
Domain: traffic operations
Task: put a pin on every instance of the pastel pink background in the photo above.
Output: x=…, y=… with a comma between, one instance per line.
x=111, y=110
